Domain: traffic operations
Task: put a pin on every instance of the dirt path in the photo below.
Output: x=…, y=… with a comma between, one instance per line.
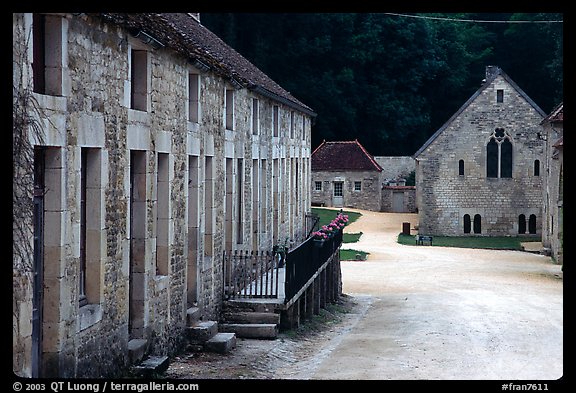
x=418, y=312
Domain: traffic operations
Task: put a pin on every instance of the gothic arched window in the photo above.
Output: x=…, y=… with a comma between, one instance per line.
x=499, y=154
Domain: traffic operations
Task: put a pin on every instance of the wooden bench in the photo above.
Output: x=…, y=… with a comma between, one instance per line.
x=420, y=239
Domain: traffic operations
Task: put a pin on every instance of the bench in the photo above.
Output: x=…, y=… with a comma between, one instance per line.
x=420, y=239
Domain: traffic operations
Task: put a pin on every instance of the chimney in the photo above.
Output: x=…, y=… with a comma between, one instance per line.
x=492, y=71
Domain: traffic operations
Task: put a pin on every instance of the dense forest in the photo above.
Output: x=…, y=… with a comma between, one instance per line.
x=392, y=80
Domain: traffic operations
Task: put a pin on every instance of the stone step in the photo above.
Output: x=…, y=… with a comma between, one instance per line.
x=252, y=305
x=136, y=350
x=251, y=330
x=251, y=317
x=221, y=343
x=202, y=331
x=152, y=365
x=192, y=316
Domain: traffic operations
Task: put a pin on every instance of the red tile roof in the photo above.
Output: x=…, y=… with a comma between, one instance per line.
x=343, y=156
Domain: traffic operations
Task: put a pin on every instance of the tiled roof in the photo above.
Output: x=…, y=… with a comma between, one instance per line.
x=343, y=156
x=184, y=34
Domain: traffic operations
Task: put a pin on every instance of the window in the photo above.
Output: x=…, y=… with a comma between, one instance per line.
x=499, y=95
x=499, y=155
x=477, y=223
x=338, y=189
x=193, y=98
x=239, y=201
x=139, y=80
x=461, y=168
x=536, y=167
x=521, y=224
x=255, y=116
x=229, y=109
x=292, y=119
x=317, y=186
x=275, y=120
x=467, y=223
x=47, y=65
x=532, y=224
x=303, y=127
x=162, y=215
x=357, y=186
x=90, y=225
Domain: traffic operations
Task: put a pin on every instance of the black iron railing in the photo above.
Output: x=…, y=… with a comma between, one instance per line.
x=305, y=260
x=251, y=275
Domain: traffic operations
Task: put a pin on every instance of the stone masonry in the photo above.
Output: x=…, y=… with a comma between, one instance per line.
x=156, y=158
x=455, y=196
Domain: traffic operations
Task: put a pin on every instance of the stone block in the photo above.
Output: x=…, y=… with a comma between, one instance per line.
x=221, y=343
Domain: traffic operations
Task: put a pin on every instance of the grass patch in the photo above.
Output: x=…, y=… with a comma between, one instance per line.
x=352, y=255
x=351, y=237
x=496, y=243
x=327, y=215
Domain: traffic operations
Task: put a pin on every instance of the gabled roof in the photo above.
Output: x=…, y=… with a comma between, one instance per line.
x=556, y=116
x=343, y=156
x=184, y=34
x=495, y=71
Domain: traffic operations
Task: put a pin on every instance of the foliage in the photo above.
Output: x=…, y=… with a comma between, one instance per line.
x=487, y=242
x=392, y=81
x=329, y=230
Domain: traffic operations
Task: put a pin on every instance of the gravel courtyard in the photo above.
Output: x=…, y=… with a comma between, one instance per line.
x=417, y=313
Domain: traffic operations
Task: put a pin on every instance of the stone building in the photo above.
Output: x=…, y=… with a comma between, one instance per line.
x=397, y=196
x=553, y=171
x=480, y=173
x=158, y=148
x=344, y=174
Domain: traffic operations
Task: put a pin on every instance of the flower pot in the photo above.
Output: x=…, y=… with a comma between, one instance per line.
x=318, y=242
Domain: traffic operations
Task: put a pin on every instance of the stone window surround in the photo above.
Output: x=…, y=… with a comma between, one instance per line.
x=357, y=186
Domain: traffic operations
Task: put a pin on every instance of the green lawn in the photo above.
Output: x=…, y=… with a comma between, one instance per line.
x=498, y=243
x=327, y=215
x=352, y=255
x=351, y=237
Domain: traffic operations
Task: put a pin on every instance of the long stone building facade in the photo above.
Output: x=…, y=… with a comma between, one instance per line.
x=481, y=173
x=156, y=148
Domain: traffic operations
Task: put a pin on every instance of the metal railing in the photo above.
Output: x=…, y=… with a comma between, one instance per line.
x=305, y=260
x=251, y=274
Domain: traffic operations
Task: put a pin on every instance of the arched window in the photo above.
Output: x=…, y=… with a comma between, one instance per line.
x=499, y=154
x=521, y=224
x=461, y=168
x=532, y=224
x=536, y=167
x=477, y=223
x=467, y=223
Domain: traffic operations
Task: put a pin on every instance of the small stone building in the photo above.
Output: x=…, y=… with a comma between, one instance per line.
x=344, y=174
x=145, y=148
x=553, y=171
x=397, y=197
x=481, y=173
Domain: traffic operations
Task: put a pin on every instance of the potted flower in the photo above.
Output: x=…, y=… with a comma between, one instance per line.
x=319, y=237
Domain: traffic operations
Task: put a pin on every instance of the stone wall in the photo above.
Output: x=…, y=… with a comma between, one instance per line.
x=552, y=225
x=368, y=197
x=154, y=238
x=396, y=167
x=407, y=195
x=444, y=196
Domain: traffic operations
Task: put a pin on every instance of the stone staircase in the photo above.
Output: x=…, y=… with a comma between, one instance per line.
x=250, y=319
x=206, y=335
